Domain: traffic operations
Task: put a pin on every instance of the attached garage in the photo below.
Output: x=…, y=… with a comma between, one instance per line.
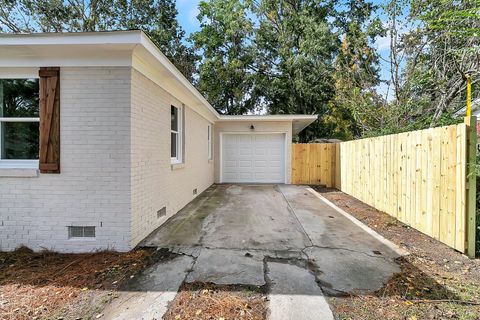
x=256, y=149
x=253, y=157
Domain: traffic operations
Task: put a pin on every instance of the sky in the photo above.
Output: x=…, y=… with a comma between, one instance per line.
x=187, y=17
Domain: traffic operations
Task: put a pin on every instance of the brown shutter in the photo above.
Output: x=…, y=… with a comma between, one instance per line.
x=49, y=157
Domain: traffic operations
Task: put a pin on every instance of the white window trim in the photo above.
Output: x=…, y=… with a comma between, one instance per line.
x=210, y=141
x=179, y=158
x=17, y=163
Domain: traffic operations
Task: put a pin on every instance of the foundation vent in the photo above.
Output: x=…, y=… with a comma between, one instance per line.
x=162, y=212
x=81, y=232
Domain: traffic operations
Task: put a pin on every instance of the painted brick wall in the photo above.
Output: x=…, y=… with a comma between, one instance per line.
x=154, y=183
x=93, y=188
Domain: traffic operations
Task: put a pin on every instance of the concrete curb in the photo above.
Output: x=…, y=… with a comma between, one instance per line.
x=373, y=233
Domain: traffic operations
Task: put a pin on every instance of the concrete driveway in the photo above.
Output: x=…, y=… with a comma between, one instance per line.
x=284, y=236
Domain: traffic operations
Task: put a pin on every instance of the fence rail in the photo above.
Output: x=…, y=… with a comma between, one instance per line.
x=419, y=177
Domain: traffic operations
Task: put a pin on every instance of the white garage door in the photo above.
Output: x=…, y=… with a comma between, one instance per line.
x=253, y=158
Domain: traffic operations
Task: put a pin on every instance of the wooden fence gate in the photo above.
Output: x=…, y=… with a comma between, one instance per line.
x=313, y=163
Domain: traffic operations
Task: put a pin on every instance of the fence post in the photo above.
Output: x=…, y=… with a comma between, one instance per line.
x=471, y=192
x=338, y=168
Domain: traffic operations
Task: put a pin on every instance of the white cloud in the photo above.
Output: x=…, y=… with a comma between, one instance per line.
x=382, y=43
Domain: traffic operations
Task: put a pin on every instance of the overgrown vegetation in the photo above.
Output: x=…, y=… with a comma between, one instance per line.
x=301, y=56
x=306, y=56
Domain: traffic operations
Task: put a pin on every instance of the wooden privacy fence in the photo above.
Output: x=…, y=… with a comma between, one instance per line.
x=313, y=163
x=419, y=177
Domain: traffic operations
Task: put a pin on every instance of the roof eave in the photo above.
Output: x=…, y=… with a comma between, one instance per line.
x=299, y=121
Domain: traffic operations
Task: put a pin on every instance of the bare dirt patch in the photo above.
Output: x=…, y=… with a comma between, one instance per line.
x=53, y=285
x=436, y=281
x=198, y=301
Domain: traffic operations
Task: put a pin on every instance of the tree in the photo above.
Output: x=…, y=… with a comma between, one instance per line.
x=298, y=48
x=444, y=48
x=156, y=17
x=356, y=108
x=295, y=53
x=279, y=57
x=430, y=59
x=227, y=68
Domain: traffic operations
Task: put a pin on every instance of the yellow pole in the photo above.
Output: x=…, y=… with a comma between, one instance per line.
x=469, y=95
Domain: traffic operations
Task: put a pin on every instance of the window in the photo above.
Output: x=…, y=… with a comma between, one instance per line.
x=210, y=140
x=19, y=120
x=176, y=138
x=81, y=232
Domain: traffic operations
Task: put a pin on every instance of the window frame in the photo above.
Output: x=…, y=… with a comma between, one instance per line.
x=210, y=141
x=179, y=136
x=18, y=163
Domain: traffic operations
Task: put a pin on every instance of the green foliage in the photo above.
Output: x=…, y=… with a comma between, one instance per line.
x=156, y=17
x=299, y=56
x=297, y=49
x=226, y=73
x=279, y=57
x=441, y=47
x=356, y=108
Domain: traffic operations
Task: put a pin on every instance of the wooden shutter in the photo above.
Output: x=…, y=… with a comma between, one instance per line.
x=49, y=157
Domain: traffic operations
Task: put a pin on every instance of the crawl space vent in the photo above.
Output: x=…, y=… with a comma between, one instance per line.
x=81, y=232
x=162, y=212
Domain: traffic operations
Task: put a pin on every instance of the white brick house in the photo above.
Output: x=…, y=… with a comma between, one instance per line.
x=137, y=141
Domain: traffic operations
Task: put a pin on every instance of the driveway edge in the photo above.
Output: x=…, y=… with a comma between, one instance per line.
x=400, y=251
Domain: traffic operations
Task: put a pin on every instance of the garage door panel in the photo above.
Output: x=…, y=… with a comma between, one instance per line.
x=245, y=151
x=230, y=164
x=275, y=152
x=253, y=158
x=261, y=176
x=243, y=139
x=260, y=151
x=245, y=163
x=260, y=164
x=261, y=138
x=274, y=164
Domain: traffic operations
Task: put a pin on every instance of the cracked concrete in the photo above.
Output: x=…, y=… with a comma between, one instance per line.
x=223, y=266
x=294, y=294
x=236, y=234
x=147, y=295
